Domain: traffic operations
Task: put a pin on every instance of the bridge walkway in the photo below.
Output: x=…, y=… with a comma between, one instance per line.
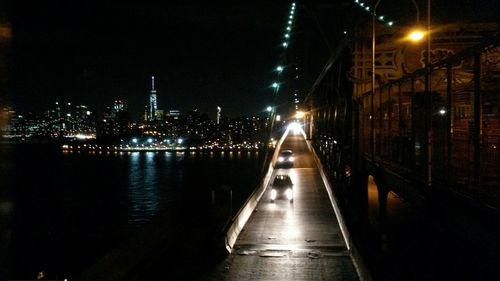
x=302, y=240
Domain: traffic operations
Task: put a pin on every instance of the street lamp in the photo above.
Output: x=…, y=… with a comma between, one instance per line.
x=416, y=35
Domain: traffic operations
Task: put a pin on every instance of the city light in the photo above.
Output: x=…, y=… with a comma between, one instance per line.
x=275, y=85
x=269, y=109
x=84, y=136
x=279, y=68
x=299, y=114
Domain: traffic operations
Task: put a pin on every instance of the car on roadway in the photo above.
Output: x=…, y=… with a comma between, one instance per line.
x=282, y=187
x=285, y=159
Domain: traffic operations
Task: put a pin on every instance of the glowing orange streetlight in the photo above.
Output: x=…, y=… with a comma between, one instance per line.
x=416, y=35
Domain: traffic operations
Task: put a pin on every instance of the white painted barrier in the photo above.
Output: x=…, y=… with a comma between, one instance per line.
x=246, y=211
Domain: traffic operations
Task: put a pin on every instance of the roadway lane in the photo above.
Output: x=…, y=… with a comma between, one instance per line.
x=291, y=241
x=303, y=157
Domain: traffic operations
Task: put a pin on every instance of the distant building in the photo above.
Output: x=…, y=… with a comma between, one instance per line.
x=159, y=114
x=218, y=114
x=115, y=120
x=5, y=119
x=84, y=121
x=153, y=105
x=119, y=105
x=174, y=114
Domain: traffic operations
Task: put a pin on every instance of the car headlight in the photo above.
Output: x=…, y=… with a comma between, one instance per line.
x=281, y=159
x=273, y=194
x=291, y=159
x=289, y=194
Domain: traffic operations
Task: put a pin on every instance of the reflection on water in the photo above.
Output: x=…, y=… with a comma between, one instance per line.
x=142, y=187
x=60, y=211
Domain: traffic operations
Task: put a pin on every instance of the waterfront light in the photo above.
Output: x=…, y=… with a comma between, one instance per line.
x=84, y=136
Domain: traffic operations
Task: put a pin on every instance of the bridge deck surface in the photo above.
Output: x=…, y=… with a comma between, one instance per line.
x=291, y=241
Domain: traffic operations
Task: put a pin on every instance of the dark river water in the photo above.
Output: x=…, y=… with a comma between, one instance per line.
x=60, y=211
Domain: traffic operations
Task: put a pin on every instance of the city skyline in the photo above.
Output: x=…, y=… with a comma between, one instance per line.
x=202, y=54
x=96, y=53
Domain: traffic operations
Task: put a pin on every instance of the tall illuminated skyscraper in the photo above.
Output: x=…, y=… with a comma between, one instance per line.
x=152, y=101
x=218, y=114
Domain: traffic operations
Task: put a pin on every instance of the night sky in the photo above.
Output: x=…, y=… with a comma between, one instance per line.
x=202, y=53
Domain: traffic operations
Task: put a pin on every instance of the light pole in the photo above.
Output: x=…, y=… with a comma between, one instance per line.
x=372, y=119
x=272, y=111
x=415, y=37
x=269, y=110
x=428, y=99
